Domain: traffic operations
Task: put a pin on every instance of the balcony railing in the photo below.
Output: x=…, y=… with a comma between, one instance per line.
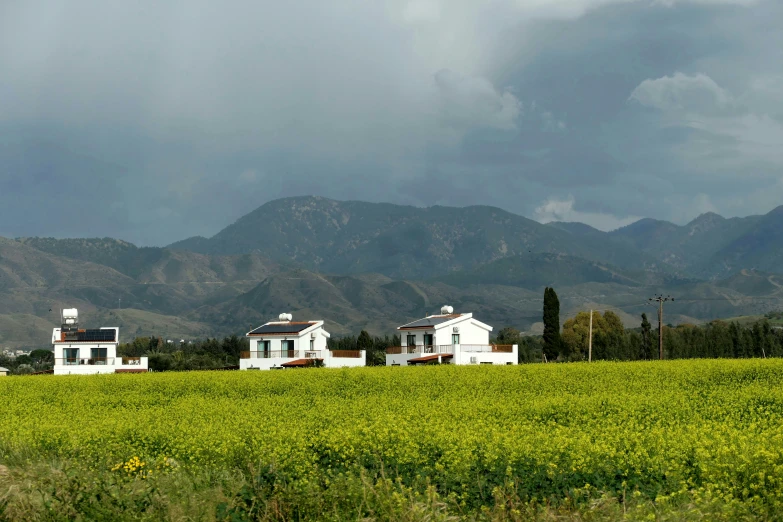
x=131, y=361
x=77, y=361
x=346, y=354
x=448, y=348
x=421, y=348
x=269, y=354
x=488, y=348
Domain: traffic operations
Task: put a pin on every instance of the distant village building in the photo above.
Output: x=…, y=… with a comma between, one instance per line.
x=448, y=338
x=3, y=371
x=90, y=351
x=290, y=344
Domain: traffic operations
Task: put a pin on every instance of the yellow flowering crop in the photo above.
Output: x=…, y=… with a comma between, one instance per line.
x=709, y=429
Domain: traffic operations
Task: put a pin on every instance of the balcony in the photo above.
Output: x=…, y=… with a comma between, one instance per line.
x=487, y=348
x=270, y=354
x=77, y=361
x=131, y=361
x=421, y=348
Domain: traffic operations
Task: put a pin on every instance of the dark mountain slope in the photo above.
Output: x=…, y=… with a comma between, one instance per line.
x=353, y=237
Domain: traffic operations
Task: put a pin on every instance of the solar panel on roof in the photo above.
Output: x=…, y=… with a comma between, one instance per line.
x=281, y=328
x=97, y=335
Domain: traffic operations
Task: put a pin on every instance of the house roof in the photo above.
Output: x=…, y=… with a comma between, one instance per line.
x=300, y=362
x=427, y=358
x=4, y=369
x=431, y=321
x=289, y=328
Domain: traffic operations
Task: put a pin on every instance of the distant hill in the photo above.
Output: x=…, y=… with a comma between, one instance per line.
x=758, y=246
x=158, y=265
x=689, y=247
x=350, y=237
x=375, y=266
x=535, y=271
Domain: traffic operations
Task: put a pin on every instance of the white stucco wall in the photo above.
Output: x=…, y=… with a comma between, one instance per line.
x=91, y=369
x=464, y=357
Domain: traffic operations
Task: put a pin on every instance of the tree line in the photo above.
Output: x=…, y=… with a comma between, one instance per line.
x=610, y=341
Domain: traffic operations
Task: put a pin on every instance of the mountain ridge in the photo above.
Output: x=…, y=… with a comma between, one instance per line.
x=374, y=266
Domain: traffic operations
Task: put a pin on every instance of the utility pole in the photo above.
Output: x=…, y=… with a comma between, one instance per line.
x=590, y=340
x=660, y=299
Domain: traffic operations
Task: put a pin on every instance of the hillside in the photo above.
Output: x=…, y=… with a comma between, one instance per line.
x=157, y=265
x=689, y=247
x=535, y=271
x=375, y=266
x=350, y=237
x=758, y=247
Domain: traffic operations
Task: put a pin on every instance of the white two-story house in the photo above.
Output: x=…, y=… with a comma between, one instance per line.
x=88, y=351
x=448, y=338
x=290, y=344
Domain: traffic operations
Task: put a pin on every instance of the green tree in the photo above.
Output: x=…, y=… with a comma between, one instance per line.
x=42, y=356
x=552, y=342
x=576, y=332
x=647, y=340
x=509, y=335
x=364, y=341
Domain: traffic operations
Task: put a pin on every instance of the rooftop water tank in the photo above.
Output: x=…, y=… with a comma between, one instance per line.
x=70, y=316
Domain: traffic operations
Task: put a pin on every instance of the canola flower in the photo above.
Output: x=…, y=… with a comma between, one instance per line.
x=709, y=429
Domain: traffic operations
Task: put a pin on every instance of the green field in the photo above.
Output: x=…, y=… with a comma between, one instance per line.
x=649, y=441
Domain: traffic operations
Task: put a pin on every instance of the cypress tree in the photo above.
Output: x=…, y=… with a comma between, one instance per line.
x=552, y=344
x=646, y=352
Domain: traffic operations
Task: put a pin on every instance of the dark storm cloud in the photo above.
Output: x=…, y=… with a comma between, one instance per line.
x=174, y=119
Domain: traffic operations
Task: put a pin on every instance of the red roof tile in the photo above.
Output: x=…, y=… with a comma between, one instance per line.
x=433, y=357
x=301, y=362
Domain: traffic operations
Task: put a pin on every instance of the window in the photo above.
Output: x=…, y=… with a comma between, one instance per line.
x=288, y=348
x=98, y=356
x=412, y=340
x=312, y=344
x=454, y=338
x=71, y=356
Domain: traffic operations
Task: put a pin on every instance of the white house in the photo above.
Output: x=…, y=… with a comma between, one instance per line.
x=289, y=344
x=79, y=351
x=3, y=371
x=448, y=338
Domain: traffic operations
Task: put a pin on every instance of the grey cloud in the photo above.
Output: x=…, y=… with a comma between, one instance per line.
x=184, y=115
x=474, y=102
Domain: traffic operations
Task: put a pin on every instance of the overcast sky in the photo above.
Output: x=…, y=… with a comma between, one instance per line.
x=155, y=121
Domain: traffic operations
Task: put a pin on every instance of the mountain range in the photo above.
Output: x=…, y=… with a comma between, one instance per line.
x=375, y=266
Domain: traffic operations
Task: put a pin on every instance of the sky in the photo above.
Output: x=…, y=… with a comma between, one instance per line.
x=156, y=121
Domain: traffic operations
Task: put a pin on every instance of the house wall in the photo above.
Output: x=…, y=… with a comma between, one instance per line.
x=469, y=333
x=85, y=350
x=301, y=343
x=345, y=362
x=463, y=357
